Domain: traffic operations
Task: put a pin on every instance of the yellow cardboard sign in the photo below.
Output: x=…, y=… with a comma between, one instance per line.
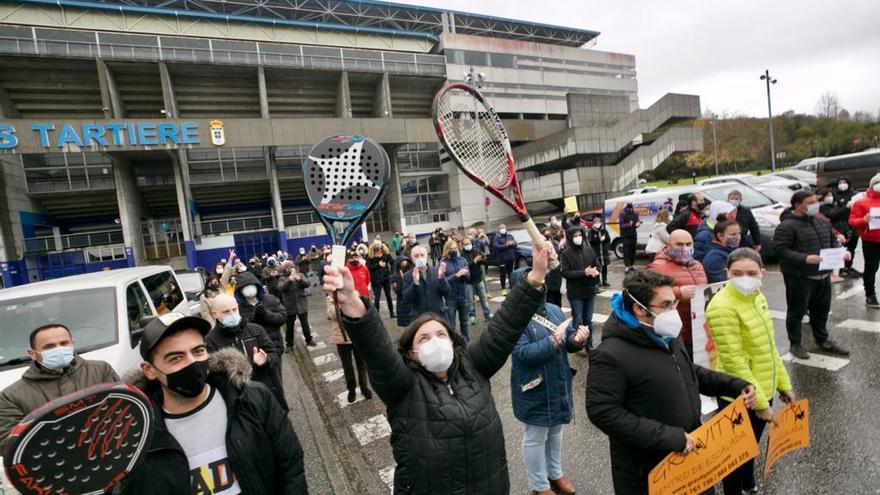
x=790, y=430
x=724, y=443
x=571, y=204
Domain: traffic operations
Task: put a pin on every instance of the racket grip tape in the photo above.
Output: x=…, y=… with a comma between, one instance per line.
x=538, y=239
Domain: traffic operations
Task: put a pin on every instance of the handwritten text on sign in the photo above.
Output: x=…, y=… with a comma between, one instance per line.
x=724, y=443
x=790, y=430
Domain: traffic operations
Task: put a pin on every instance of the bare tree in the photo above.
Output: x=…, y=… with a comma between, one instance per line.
x=828, y=106
x=862, y=116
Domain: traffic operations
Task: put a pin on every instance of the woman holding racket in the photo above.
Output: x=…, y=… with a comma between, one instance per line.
x=446, y=434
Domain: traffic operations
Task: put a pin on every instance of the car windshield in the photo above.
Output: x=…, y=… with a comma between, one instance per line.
x=521, y=236
x=190, y=282
x=89, y=314
x=751, y=197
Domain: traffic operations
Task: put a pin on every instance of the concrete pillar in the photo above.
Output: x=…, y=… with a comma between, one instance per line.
x=131, y=210
x=184, y=199
x=382, y=102
x=7, y=106
x=14, y=200
x=168, y=97
x=343, y=97
x=111, y=99
x=264, y=95
x=275, y=192
x=394, y=197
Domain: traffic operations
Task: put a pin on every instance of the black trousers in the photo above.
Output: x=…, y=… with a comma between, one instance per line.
x=377, y=294
x=743, y=478
x=554, y=297
x=629, y=251
x=505, y=268
x=871, y=251
x=850, y=245
x=303, y=321
x=346, y=352
x=807, y=296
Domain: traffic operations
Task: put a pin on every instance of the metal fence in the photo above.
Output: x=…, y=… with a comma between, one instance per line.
x=72, y=241
x=242, y=224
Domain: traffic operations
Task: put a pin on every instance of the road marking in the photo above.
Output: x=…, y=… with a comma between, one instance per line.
x=599, y=318
x=371, y=430
x=778, y=315
x=498, y=299
x=491, y=279
x=386, y=474
x=608, y=293
x=820, y=361
x=851, y=292
x=318, y=346
x=324, y=359
x=865, y=326
x=566, y=310
x=342, y=399
x=332, y=376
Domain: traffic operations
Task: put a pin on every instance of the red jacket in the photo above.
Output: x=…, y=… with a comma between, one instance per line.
x=692, y=274
x=361, y=275
x=857, y=216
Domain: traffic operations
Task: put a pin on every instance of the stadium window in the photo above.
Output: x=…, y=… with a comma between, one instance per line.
x=476, y=58
x=502, y=60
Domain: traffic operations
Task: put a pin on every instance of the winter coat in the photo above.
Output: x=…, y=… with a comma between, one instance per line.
x=402, y=308
x=379, y=274
x=703, y=240
x=573, y=260
x=244, y=338
x=742, y=330
x=797, y=237
x=457, y=291
x=269, y=313
x=540, y=376
x=688, y=220
x=715, y=262
x=645, y=395
x=337, y=335
x=600, y=241
x=505, y=254
x=293, y=294
x=475, y=268
x=361, y=276
x=447, y=436
x=303, y=263
x=658, y=239
x=424, y=297
x=39, y=385
x=857, y=216
x=554, y=277
x=627, y=223
x=692, y=274
x=264, y=451
x=751, y=231
x=838, y=216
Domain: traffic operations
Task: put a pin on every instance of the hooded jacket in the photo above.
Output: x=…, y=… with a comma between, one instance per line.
x=573, y=260
x=39, y=385
x=447, y=436
x=857, y=216
x=691, y=274
x=799, y=236
x=264, y=451
x=269, y=313
x=703, y=239
x=645, y=395
x=715, y=262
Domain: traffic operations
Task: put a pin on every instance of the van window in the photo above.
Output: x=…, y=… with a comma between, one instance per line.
x=138, y=309
x=855, y=162
x=751, y=197
x=164, y=292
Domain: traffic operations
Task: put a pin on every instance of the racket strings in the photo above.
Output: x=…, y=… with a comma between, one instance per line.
x=474, y=135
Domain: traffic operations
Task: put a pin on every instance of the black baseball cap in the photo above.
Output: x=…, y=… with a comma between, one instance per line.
x=167, y=323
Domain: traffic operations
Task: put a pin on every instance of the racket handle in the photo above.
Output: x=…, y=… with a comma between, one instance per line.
x=538, y=239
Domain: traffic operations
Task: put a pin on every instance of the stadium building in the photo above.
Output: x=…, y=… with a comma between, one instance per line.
x=169, y=131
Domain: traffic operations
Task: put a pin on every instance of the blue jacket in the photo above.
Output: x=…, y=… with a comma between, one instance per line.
x=715, y=262
x=427, y=296
x=702, y=240
x=456, y=284
x=501, y=250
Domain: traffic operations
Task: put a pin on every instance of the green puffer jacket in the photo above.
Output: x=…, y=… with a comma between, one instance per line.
x=742, y=329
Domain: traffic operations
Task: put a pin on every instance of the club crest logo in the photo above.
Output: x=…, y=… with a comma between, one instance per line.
x=218, y=135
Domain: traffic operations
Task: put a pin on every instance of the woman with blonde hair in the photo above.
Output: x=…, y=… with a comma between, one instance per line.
x=455, y=270
x=380, y=263
x=659, y=235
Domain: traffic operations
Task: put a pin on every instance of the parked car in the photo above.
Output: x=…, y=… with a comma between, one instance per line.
x=193, y=284
x=857, y=167
x=807, y=164
x=808, y=178
x=642, y=190
x=523, y=248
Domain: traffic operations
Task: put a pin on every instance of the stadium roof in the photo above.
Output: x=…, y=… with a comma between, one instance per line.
x=370, y=16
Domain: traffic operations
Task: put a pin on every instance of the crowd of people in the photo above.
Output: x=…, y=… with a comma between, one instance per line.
x=216, y=386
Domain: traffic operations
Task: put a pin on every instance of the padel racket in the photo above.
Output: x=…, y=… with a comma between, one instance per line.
x=345, y=178
x=475, y=138
x=86, y=442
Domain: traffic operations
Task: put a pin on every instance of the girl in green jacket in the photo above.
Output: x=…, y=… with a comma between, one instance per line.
x=740, y=324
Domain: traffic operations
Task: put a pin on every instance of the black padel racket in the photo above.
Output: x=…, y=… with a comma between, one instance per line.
x=345, y=178
x=82, y=443
x=475, y=138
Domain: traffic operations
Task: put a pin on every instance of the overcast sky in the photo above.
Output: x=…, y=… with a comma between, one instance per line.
x=718, y=49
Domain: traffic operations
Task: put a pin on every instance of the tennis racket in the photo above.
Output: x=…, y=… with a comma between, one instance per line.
x=345, y=178
x=475, y=138
x=86, y=442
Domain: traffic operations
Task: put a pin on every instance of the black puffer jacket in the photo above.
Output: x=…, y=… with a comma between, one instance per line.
x=572, y=261
x=264, y=451
x=554, y=277
x=269, y=313
x=797, y=237
x=447, y=437
x=645, y=397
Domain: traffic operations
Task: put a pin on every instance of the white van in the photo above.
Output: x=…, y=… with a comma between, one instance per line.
x=105, y=311
x=647, y=205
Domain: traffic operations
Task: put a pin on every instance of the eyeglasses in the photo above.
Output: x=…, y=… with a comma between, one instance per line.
x=667, y=306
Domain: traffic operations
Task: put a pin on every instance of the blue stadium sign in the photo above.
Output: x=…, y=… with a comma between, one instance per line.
x=101, y=135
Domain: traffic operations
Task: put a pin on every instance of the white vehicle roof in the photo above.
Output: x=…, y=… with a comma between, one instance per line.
x=111, y=278
x=724, y=178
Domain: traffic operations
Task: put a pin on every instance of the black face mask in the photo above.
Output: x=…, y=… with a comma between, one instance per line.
x=190, y=381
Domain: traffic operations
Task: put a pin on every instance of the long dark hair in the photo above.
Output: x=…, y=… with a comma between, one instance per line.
x=405, y=342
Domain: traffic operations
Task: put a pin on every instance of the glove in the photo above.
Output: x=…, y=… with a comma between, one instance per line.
x=259, y=312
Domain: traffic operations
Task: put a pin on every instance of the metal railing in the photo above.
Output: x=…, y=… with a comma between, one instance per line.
x=72, y=241
x=301, y=218
x=242, y=224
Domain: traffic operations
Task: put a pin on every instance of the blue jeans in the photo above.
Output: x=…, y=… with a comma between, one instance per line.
x=484, y=299
x=542, y=451
x=582, y=314
x=460, y=307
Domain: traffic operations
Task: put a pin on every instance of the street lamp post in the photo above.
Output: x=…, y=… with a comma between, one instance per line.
x=714, y=141
x=478, y=80
x=770, y=80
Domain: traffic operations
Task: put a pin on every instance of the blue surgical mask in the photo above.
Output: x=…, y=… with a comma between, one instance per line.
x=57, y=357
x=421, y=262
x=231, y=321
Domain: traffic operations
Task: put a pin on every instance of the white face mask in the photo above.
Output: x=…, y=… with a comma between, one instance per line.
x=502, y=231
x=746, y=285
x=249, y=291
x=468, y=247
x=876, y=187
x=842, y=186
x=668, y=324
x=436, y=354
x=577, y=240
x=813, y=209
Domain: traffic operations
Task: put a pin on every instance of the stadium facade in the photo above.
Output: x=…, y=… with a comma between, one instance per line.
x=169, y=131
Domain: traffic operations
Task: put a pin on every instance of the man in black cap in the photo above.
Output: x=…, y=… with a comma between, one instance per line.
x=215, y=430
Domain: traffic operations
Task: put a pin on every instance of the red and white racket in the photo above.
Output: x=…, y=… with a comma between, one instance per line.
x=86, y=442
x=475, y=138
